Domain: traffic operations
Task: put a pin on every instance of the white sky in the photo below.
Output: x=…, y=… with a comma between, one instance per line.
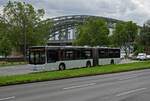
x=135, y=10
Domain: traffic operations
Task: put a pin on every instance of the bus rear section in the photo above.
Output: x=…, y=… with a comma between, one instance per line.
x=108, y=56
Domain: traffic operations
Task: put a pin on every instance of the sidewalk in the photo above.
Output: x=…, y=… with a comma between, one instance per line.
x=13, y=70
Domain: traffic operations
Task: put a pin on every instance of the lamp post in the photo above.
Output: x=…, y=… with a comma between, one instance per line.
x=25, y=39
x=25, y=46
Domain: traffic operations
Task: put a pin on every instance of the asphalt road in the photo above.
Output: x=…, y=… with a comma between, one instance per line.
x=13, y=70
x=129, y=86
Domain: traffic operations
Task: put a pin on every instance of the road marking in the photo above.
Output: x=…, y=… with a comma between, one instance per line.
x=128, y=77
x=79, y=86
x=8, y=98
x=131, y=91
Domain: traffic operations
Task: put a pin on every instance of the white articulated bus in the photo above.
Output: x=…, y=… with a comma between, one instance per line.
x=66, y=57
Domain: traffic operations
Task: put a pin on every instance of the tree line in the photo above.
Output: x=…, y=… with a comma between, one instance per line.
x=22, y=26
x=126, y=35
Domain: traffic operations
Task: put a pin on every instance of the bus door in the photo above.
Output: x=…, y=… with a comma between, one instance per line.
x=95, y=56
x=37, y=56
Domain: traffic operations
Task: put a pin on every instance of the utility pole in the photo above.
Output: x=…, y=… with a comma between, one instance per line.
x=25, y=46
x=25, y=39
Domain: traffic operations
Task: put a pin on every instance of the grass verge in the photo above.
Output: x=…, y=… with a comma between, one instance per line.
x=55, y=75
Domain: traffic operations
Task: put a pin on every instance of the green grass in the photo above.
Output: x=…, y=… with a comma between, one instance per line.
x=54, y=75
x=6, y=64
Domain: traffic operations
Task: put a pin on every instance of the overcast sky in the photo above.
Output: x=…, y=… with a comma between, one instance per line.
x=135, y=10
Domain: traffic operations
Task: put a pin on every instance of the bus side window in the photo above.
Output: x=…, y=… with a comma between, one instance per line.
x=42, y=57
x=111, y=53
x=117, y=53
x=103, y=53
x=69, y=55
x=88, y=54
x=77, y=54
x=31, y=57
x=82, y=55
x=52, y=56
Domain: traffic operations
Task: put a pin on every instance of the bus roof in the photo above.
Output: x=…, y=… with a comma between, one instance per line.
x=88, y=47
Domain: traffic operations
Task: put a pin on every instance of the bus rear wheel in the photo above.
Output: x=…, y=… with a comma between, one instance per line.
x=112, y=61
x=88, y=64
x=62, y=67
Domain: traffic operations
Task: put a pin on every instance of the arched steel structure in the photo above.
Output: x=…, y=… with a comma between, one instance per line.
x=63, y=29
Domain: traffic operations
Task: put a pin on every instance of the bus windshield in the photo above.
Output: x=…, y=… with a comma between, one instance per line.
x=37, y=56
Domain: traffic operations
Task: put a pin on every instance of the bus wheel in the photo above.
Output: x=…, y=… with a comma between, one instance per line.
x=88, y=64
x=112, y=61
x=62, y=66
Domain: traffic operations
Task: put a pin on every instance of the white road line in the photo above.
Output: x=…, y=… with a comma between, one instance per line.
x=79, y=86
x=8, y=98
x=131, y=91
x=128, y=78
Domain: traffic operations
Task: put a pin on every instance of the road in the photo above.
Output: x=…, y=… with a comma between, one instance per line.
x=128, y=86
x=25, y=69
x=13, y=70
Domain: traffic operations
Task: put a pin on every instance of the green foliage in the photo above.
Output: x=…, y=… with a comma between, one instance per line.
x=94, y=33
x=124, y=35
x=118, y=36
x=138, y=49
x=5, y=44
x=144, y=37
x=25, y=25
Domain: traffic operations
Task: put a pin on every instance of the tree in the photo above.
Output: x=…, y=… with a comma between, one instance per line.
x=124, y=35
x=143, y=39
x=24, y=25
x=145, y=35
x=94, y=33
x=118, y=34
x=5, y=44
x=5, y=47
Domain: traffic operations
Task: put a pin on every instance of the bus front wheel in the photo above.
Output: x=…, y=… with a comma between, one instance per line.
x=62, y=66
